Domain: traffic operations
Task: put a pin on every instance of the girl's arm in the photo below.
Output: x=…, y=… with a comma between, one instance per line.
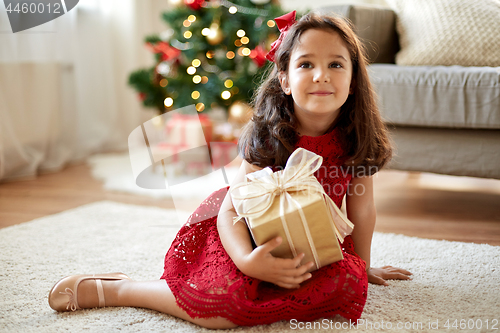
x=360, y=207
x=257, y=263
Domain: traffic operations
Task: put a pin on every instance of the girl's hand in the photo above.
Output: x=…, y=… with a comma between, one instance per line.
x=286, y=273
x=380, y=275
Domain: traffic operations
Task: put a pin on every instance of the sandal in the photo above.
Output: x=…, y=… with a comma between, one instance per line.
x=68, y=286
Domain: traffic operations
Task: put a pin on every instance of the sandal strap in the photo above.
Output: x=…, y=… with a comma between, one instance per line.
x=100, y=293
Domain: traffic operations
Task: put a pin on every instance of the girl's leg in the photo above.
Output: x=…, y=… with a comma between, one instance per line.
x=154, y=295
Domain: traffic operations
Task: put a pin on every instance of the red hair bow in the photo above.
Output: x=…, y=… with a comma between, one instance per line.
x=284, y=23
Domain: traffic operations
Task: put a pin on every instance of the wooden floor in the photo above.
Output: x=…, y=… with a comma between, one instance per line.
x=414, y=204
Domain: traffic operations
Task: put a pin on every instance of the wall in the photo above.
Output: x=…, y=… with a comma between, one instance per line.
x=302, y=5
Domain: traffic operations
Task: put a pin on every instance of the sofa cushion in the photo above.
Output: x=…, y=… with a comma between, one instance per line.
x=438, y=96
x=459, y=152
x=448, y=32
x=376, y=27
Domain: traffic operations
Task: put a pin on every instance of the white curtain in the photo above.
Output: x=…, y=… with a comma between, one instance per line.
x=63, y=85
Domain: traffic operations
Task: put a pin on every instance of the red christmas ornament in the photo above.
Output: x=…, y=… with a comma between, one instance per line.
x=194, y=4
x=167, y=52
x=142, y=96
x=258, y=55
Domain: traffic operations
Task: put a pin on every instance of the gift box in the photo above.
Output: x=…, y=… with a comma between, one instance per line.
x=183, y=147
x=188, y=131
x=291, y=203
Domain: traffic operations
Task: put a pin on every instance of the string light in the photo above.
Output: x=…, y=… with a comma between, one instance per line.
x=168, y=102
x=196, y=62
x=241, y=9
x=244, y=51
x=241, y=48
x=200, y=107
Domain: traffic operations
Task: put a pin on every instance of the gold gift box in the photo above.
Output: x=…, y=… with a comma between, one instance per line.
x=319, y=222
x=291, y=203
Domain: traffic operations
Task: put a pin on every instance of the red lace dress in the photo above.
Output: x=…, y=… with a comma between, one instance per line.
x=206, y=282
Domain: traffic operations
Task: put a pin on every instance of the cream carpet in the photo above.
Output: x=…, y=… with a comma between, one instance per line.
x=451, y=280
x=115, y=171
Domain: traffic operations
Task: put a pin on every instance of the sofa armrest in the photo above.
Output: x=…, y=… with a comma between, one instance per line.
x=376, y=27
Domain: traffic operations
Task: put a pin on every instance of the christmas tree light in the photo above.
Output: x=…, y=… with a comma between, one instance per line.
x=211, y=53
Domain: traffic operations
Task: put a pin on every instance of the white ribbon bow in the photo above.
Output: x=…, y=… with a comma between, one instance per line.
x=253, y=199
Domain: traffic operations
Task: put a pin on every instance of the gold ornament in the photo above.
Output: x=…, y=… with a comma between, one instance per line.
x=215, y=36
x=239, y=113
x=270, y=40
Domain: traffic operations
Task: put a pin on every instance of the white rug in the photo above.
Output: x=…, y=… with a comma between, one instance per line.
x=115, y=171
x=451, y=280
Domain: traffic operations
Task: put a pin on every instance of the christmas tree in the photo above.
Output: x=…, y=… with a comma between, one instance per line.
x=212, y=54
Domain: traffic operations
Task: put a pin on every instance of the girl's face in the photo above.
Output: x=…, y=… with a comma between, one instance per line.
x=319, y=75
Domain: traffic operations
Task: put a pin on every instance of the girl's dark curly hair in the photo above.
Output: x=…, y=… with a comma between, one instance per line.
x=270, y=137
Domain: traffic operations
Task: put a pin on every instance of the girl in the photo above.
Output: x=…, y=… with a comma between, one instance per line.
x=318, y=97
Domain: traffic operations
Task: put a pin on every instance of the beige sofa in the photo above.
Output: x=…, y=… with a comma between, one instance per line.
x=443, y=119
